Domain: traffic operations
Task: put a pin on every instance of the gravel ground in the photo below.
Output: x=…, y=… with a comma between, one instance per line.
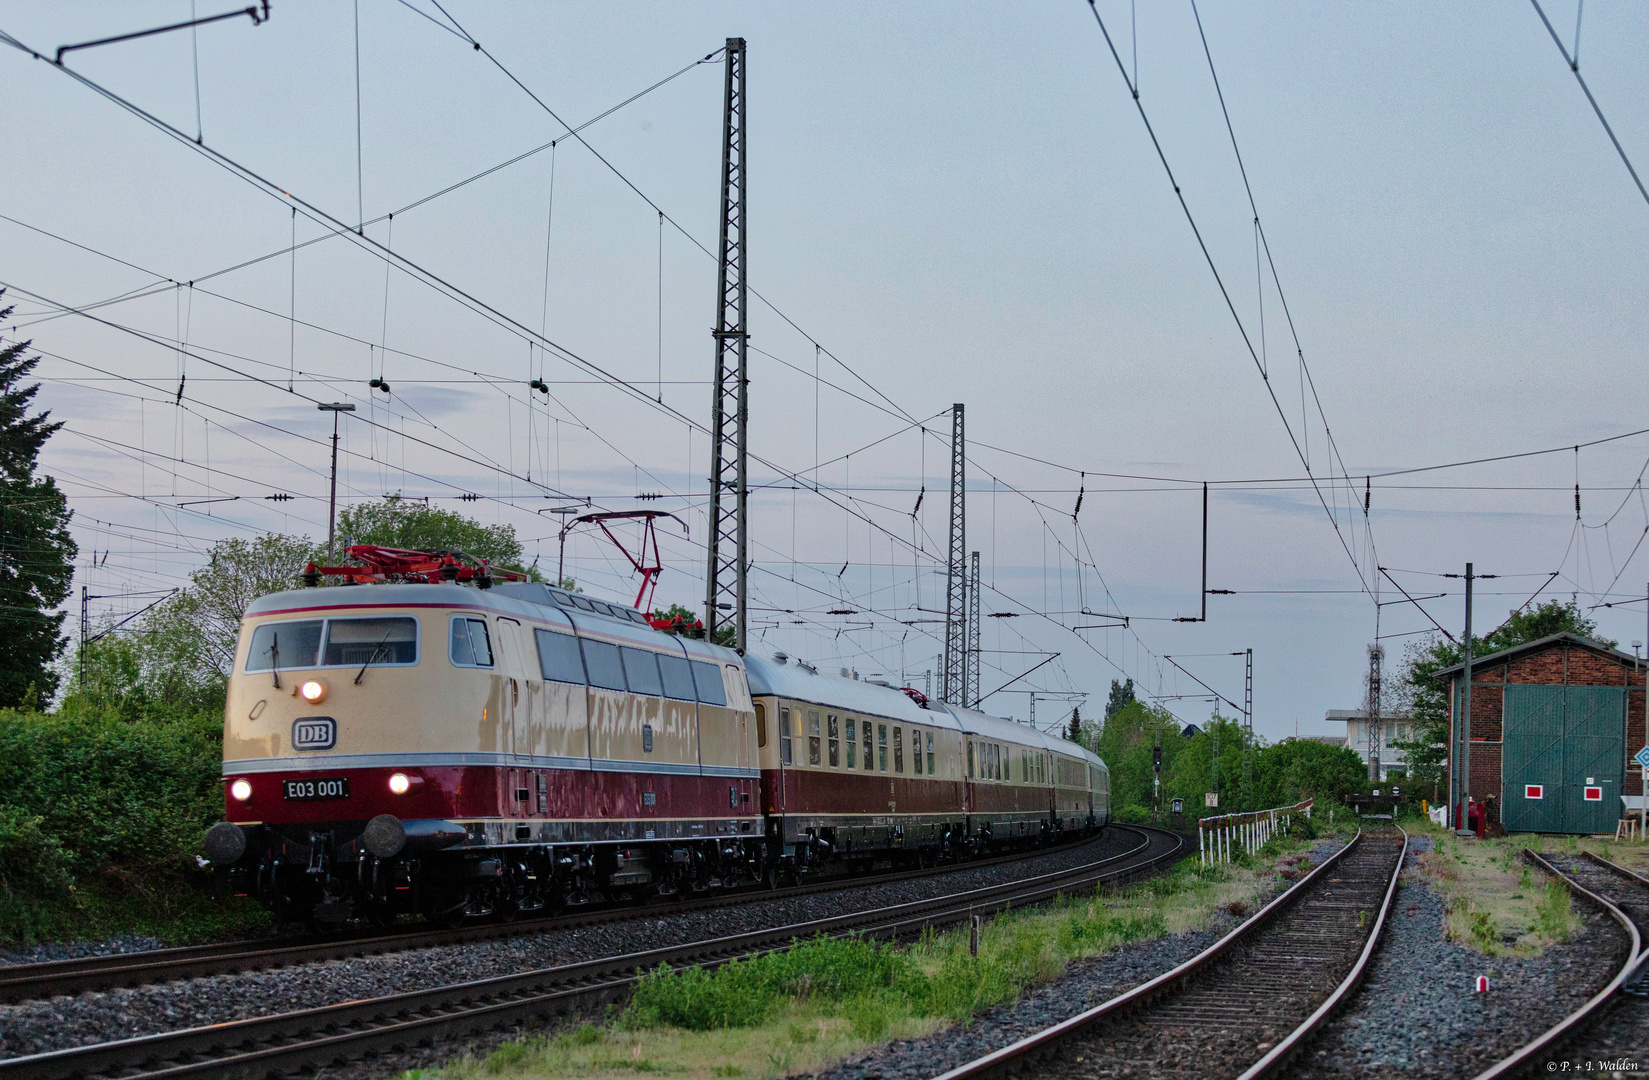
x=36, y=1026
x=1085, y=984
x=1417, y=1014
x=74, y=950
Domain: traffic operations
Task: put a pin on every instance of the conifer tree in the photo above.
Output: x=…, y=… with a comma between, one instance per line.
x=36, y=551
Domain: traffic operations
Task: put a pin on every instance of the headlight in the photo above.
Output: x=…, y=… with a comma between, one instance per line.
x=312, y=691
x=400, y=783
x=241, y=790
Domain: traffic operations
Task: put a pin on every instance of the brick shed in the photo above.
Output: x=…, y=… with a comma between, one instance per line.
x=1553, y=723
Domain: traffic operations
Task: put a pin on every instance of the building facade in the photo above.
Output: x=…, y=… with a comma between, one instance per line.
x=1554, y=723
x=1394, y=728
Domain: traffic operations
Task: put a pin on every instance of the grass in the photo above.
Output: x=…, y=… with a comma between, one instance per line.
x=819, y=1001
x=1493, y=901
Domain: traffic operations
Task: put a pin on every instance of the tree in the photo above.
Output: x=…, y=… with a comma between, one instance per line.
x=1122, y=695
x=1125, y=744
x=1075, y=734
x=400, y=522
x=36, y=551
x=1427, y=752
x=189, y=641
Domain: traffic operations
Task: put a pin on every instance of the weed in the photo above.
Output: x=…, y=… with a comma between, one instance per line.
x=508, y=1056
x=1554, y=913
x=1483, y=931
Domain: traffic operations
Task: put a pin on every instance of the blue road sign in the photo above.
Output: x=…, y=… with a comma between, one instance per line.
x=1642, y=757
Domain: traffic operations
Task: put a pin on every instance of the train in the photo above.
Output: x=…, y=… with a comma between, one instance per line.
x=462, y=750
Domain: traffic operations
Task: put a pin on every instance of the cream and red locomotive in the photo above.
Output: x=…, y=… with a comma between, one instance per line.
x=457, y=751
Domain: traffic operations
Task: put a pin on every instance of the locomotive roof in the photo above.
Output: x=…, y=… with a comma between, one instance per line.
x=522, y=599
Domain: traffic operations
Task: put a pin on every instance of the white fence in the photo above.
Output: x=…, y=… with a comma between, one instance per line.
x=1217, y=837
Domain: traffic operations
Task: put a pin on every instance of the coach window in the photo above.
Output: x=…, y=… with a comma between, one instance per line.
x=602, y=663
x=558, y=657
x=881, y=747
x=708, y=677
x=898, y=749
x=678, y=677
x=930, y=753
x=852, y=743
x=641, y=671
x=813, y=736
x=761, y=725
x=870, y=762
x=916, y=750
x=970, y=759
x=784, y=736
x=833, y=729
x=470, y=645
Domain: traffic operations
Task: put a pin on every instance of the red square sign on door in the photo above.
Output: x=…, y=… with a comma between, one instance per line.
x=1534, y=791
x=1594, y=794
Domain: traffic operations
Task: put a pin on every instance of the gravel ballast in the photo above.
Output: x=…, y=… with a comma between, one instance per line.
x=37, y=1026
x=1417, y=1013
x=1085, y=984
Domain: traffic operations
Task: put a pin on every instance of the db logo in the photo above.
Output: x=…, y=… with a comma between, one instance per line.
x=314, y=733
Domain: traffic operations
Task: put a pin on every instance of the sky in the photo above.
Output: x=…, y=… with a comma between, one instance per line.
x=946, y=204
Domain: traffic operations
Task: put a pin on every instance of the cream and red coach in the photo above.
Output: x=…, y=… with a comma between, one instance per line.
x=460, y=751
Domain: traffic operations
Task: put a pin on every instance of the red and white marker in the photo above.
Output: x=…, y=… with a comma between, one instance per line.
x=1482, y=984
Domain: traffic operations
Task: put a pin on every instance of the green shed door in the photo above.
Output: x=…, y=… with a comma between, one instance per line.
x=1533, y=756
x=1594, y=749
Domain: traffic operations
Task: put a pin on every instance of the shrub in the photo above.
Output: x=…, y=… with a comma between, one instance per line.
x=1554, y=914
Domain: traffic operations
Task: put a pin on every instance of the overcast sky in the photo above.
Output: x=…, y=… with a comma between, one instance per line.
x=958, y=203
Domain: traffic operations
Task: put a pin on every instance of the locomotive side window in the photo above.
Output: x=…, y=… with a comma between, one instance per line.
x=678, y=678
x=377, y=641
x=784, y=736
x=870, y=762
x=881, y=747
x=602, y=662
x=852, y=743
x=898, y=749
x=812, y=736
x=916, y=750
x=708, y=677
x=641, y=671
x=761, y=725
x=284, y=645
x=471, y=647
x=558, y=657
x=930, y=753
x=833, y=729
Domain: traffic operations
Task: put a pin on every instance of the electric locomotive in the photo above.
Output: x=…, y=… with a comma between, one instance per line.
x=487, y=749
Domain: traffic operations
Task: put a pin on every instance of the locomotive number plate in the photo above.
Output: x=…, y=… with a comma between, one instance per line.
x=335, y=787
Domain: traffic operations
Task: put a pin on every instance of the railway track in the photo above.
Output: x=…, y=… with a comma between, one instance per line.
x=24, y=982
x=1614, y=1022
x=1245, y=1004
x=318, y=1038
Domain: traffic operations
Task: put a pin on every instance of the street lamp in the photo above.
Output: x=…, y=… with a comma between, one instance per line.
x=334, y=408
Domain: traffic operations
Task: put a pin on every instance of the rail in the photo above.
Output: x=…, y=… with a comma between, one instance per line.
x=1247, y=832
x=1240, y=946
x=318, y=1037
x=1525, y=1056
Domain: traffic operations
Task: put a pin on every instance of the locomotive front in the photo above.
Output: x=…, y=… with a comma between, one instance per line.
x=348, y=750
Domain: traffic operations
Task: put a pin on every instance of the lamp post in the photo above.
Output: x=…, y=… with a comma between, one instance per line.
x=334, y=408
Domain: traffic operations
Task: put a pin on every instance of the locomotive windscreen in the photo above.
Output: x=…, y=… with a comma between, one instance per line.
x=379, y=640
x=284, y=645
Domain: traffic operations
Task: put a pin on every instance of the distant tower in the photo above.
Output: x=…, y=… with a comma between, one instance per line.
x=970, y=692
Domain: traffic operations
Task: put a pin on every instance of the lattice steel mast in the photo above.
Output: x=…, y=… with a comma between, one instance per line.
x=724, y=604
x=1248, y=730
x=953, y=680
x=970, y=689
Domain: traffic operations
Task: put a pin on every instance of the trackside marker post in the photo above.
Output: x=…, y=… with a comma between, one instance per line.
x=1482, y=984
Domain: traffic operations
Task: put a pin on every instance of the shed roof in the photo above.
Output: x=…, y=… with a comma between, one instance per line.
x=1562, y=638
